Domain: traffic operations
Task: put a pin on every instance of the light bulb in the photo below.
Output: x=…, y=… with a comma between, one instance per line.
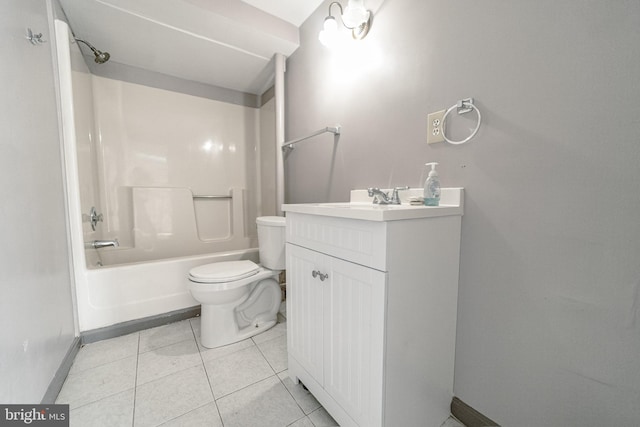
x=329, y=34
x=355, y=14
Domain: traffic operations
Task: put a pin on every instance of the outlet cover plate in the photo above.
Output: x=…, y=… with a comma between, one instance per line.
x=434, y=127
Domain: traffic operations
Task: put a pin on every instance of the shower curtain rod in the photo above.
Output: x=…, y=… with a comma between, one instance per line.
x=334, y=130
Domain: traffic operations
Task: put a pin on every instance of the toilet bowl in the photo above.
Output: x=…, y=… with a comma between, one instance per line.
x=240, y=299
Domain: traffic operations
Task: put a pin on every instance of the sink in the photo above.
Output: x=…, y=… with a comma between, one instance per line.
x=361, y=207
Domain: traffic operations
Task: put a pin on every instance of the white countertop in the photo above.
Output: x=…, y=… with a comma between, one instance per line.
x=361, y=207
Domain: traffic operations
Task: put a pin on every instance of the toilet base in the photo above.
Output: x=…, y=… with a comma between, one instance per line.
x=229, y=323
x=213, y=336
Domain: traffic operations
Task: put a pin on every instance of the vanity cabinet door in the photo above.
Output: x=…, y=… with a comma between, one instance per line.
x=353, y=339
x=335, y=326
x=305, y=310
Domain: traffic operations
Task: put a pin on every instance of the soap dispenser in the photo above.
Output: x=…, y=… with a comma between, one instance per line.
x=432, y=186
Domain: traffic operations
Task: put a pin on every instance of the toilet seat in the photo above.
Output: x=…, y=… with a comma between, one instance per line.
x=221, y=272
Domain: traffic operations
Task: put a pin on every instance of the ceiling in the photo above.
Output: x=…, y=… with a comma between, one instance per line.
x=293, y=11
x=225, y=43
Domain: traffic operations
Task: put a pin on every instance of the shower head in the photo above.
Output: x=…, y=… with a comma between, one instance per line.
x=100, y=56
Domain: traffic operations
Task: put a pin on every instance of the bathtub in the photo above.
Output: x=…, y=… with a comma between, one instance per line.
x=109, y=295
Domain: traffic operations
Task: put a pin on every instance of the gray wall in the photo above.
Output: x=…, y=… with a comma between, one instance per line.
x=36, y=313
x=549, y=297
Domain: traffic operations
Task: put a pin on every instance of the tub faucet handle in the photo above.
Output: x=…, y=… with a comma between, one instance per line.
x=94, y=217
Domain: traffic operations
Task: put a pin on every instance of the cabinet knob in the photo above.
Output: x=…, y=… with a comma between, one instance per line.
x=317, y=273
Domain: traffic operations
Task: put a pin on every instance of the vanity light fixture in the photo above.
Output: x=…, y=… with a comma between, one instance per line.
x=355, y=17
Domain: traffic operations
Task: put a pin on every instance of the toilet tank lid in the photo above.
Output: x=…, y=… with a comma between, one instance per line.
x=274, y=221
x=226, y=271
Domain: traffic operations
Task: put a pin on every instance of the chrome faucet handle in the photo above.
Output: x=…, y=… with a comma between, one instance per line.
x=379, y=196
x=395, y=197
x=93, y=218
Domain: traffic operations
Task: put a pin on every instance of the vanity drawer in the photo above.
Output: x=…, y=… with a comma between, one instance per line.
x=362, y=242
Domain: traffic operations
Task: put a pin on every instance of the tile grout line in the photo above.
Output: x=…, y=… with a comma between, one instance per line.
x=282, y=383
x=247, y=386
x=297, y=403
x=182, y=415
x=305, y=415
x=96, y=401
x=263, y=356
x=167, y=345
x=254, y=344
x=301, y=418
x=95, y=367
x=206, y=373
x=101, y=364
x=202, y=354
x=135, y=383
x=203, y=362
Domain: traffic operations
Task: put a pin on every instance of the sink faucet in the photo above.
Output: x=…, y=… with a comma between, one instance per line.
x=382, y=198
x=97, y=244
x=395, y=198
x=379, y=196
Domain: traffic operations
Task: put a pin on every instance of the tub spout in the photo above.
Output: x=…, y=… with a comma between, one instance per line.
x=97, y=244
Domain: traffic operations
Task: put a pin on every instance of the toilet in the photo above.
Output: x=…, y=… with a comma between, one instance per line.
x=241, y=298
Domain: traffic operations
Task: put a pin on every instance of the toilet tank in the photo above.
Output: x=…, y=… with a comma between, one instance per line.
x=271, y=241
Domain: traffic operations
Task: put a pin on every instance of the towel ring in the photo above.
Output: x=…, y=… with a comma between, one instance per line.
x=463, y=106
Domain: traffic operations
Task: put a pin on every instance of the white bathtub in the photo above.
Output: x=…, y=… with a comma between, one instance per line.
x=115, y=294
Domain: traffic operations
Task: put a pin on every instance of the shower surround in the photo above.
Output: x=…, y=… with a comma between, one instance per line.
x=175, y=177
x=176, y=173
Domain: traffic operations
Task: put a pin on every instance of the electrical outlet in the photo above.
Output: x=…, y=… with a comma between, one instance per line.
x=434, y=127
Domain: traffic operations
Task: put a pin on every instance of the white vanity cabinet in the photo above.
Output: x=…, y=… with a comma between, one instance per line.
x=337, y=334
x=371, y=311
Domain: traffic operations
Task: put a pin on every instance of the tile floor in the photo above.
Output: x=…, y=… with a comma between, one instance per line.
x=164, y=377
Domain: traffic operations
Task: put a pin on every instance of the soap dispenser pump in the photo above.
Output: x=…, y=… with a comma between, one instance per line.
x=432, y=186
